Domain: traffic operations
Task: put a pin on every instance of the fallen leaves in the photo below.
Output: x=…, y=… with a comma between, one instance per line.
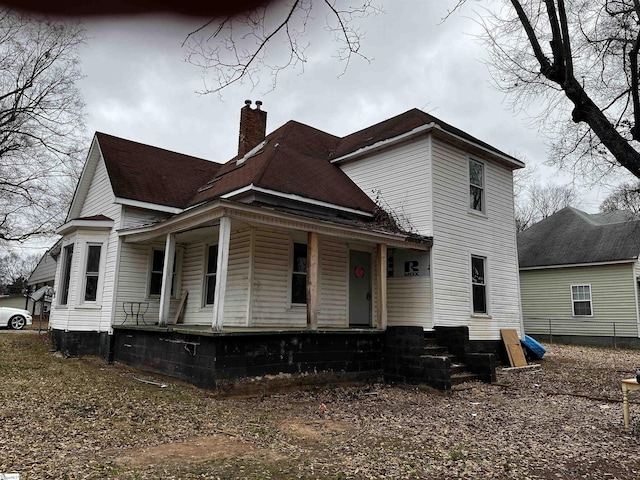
x=83, y=419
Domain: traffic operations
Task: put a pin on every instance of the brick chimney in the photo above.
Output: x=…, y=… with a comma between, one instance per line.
x=253, y=127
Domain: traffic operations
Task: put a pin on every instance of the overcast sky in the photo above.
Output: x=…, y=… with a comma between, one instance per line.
x=138, y=87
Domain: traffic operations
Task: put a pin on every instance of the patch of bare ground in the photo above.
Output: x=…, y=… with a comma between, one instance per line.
x=190, y=450
x=69, y=418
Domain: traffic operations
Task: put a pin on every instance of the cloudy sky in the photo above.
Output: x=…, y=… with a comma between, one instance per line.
x=138, y=86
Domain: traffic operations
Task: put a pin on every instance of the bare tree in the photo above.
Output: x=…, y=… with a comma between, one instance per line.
x=581, y=59
x=235, y=48
x=624, y=198
x=534, y=202
x=15, y=270
x=41, y=122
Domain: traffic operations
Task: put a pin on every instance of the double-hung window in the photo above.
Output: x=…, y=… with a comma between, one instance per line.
x=210, y=274
x=157, y=265
x=479, y=284
x=299, y=274
x=581, y=300
x=67, y=258
x=92, y=272
x=476, y=186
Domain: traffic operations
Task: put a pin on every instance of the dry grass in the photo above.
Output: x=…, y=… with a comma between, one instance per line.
x=82, y=419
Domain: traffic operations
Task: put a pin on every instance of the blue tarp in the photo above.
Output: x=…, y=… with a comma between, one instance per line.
x=533, y=346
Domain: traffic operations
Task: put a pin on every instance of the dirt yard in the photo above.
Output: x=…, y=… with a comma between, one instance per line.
x=81, y=419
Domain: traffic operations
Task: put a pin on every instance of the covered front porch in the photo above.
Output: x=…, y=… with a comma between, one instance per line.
x=232, y=267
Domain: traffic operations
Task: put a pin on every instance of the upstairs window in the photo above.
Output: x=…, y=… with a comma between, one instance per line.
x=476, y=185
x=92, y=272
x=581, y=300
x=479, y=284
x=299, y=274
x=67, y=258
x=210, y=275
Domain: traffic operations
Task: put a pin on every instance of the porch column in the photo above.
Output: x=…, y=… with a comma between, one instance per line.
x=312, y=280
x=167, y=278
x=224, y=236
x=381, y=261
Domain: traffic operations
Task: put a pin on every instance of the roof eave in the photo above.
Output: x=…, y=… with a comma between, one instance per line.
x=583, y=264
x=84, y=224
x=213, y=211
x=424, y=129
x=147, y=205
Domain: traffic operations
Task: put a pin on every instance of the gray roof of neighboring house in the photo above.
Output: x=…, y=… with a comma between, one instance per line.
x=571, y=237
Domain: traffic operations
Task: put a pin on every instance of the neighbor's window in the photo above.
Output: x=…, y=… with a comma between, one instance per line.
x=92, y=272
x=476, y=185
x=299, y=274
x=157, y=264
x=67, y=257
x=581, y=300
x=210, y=275
x=479, y=284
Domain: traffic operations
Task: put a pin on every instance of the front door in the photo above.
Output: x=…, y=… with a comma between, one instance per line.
x=359, y=289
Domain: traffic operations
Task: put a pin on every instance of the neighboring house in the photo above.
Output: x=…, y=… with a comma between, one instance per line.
x=295, y=256
x=580, y=278
x=42, y=276
x=14, y=300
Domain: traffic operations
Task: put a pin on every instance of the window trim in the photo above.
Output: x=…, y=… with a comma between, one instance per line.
x=292, y=272
x=206, y=275
x=573, y=301
x=483, y=196
x=177, y=265
x=487, y=303
x=65, y=273
x=97, y=274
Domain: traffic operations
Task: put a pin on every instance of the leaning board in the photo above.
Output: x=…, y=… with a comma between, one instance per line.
x=513, y=346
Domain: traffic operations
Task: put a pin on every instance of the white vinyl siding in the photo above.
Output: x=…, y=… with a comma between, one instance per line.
x=132, y=281
x=409, y=301
x=459, y=233
x=546, y=294
x=76, y=315
x=399, y=178
x=136, y=217
x=100, y=195
x=333, y=284
x=271, y=282
x=236, y=300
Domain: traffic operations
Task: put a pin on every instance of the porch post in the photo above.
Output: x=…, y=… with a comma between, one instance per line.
x=167, y=277
x=381, y=260
x=312, y=280
x=224, y=236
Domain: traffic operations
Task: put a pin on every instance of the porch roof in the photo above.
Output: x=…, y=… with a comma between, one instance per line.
x=209, y=214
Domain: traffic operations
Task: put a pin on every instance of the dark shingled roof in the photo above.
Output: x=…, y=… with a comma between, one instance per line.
x=398, y=125
x=571, y=236
x=294, y=160
x=150, y=174
x=99, y=218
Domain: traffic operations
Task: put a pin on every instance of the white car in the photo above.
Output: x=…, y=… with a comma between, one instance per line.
x=15, y=318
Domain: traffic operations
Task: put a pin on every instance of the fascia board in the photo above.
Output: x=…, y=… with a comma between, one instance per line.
x=294, y=197
x=147, y=205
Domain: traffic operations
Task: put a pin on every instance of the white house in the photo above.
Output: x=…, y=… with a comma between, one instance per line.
x=304, y=239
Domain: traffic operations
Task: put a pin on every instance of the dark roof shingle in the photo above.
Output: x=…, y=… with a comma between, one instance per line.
x=294, y=160
x=151, y=174
x=571, y=237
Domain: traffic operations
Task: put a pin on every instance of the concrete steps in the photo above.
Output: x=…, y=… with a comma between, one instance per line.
x=459, y=372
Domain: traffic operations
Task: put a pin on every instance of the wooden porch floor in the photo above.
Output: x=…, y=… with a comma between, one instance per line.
x=207, y=330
